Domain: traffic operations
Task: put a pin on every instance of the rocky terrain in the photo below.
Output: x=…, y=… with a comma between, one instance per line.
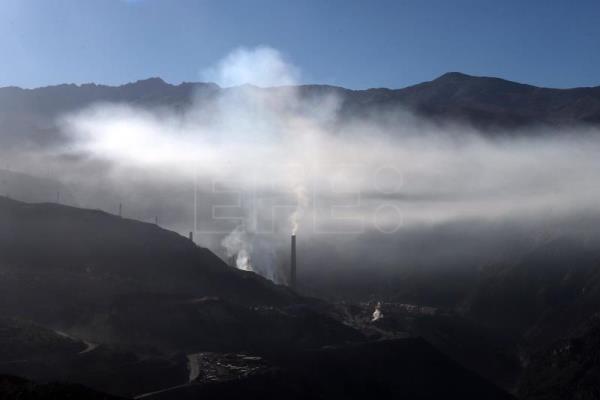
x=133, y=310
x=18, y=388
x=566, y=369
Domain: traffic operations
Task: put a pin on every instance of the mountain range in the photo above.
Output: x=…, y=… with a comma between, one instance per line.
x=486, y=103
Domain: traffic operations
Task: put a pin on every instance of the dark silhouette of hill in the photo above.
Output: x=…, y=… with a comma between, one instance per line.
x=23, y=339
x=138, y=298
x=191, y=325
x=496, y=306
x=45, y=355
x=98, y=255
x=145, y=288
x=405, y=368
x=487, y=102
x=18, y=388
x=544, y=296
x=410, y=368
x=567, y=369
x=113, y=279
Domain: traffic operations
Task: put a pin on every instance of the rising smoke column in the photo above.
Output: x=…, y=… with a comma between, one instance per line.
x=263, y=67
x=301, y=198
x=237, y=245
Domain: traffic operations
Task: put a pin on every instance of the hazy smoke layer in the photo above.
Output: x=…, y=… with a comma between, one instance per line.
x=275, y=162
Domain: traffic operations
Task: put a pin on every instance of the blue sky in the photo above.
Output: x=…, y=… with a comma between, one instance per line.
x=357, y=44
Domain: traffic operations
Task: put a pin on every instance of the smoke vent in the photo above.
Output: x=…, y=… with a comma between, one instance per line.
x=293, y=264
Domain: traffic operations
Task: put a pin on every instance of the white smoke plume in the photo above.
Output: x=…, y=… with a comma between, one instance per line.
x=317, y=170
x=302, y=199
x=237, y=246
x=262, y=66
x=298, y=188
x=377, y=314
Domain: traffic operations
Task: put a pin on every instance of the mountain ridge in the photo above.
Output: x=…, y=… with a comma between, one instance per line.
x=485, y=103
x=157, y=80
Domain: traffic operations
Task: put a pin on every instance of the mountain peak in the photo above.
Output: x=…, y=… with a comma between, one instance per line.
x=464, y=79
x=455, y=75
x=152, y=79
x=149, y=82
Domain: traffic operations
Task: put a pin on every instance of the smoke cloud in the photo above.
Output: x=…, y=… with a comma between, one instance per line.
x=238, y=247
x=272, y=161
x=262, y=66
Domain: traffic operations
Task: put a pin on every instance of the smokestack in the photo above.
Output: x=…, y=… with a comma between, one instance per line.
x=293, y=264
x=192, y=236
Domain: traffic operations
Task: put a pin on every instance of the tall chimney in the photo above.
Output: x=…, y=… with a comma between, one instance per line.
x=293, y=264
